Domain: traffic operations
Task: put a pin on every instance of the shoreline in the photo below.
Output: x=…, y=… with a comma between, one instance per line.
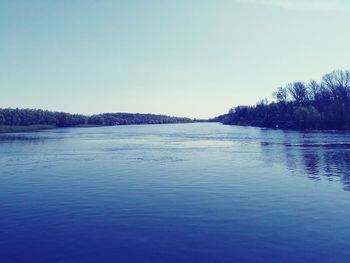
x=27, y=128
x=283, y=128
x=35, y=128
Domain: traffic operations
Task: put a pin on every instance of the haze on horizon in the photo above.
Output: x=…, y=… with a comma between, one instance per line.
x=183, y=58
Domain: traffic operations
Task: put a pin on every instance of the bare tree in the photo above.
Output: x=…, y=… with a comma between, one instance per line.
x=298, y=91
x=338, y=83
x=314, y=90
x=281, y=95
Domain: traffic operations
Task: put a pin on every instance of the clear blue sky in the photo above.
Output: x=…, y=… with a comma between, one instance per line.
x=193, y=58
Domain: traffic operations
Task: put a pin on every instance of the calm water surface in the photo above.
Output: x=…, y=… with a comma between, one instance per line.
x=174, y=193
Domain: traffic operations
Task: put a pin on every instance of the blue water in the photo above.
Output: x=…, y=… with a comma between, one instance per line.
x=200, y=192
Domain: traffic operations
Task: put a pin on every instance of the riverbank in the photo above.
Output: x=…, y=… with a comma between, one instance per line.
x=33, y=128
x=293, y=126
x=27, y=128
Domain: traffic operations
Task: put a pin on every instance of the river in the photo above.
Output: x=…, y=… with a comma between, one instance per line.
x=199, y=192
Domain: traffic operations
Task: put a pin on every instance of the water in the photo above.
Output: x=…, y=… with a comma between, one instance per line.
x=200, y=192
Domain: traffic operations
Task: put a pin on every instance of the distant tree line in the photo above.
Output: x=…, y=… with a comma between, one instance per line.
x=26, y=117
x=315, y=105
x=133, y=118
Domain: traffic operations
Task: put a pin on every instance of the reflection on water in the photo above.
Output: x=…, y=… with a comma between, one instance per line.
x=317, y=155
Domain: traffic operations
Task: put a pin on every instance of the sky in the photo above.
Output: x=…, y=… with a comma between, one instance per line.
x=195, y=58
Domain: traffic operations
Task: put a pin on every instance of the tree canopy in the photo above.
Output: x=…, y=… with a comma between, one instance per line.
x=26, y=117
x=321, y=104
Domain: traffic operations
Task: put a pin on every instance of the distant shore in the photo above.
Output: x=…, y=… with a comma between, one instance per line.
x=28, y=120
x=27, y=128
x=323, y=105
x=34, y=128
x=285, y=127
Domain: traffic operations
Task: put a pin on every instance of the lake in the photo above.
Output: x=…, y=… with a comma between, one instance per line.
x=199, y=192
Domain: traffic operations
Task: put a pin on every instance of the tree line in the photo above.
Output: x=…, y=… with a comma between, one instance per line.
x=27, y=117
x=323, y=104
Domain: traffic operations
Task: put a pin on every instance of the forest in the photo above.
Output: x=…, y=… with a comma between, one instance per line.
x=36, y=118
x=317, y=105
